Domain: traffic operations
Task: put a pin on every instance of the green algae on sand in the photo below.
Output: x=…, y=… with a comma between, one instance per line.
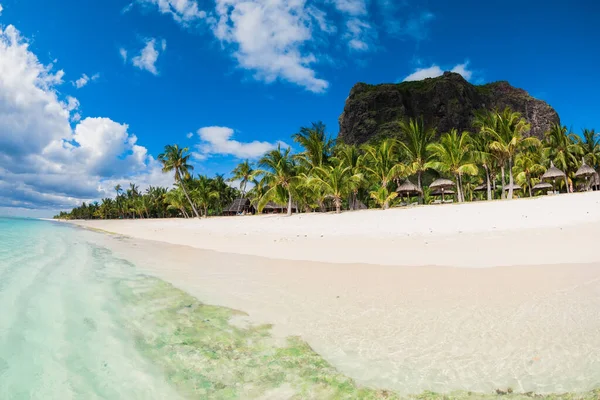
x=204, y=355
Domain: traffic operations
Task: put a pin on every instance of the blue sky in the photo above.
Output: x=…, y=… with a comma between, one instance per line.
x=231, y=78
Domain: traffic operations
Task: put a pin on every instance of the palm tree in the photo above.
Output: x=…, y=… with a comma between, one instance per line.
x=482, y=154
x=591, y=147
x=317, y=146
x=381, y=162
x=507, y=138
x=453, y=155
x=335, y=182
x=134, y=190
x=351, y=157
x=487, y=122
x=176, y=159
x=563, y=149
x=414, y=145
x=280, y=174
x=529, y=164
x=383, y=166
x=243, y=172
x=383, y=197
x=203, y=193
x=118, y=189
x=176, y=200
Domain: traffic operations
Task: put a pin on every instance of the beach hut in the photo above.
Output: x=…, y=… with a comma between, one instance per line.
x=239, y=207
x=585, y=171
x=409, y=189
x=274, y=208
x=595, y=181
x=552, y=174
x=358, y=205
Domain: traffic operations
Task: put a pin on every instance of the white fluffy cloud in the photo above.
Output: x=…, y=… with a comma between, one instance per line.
x=84, y=80
x=147, y=58
x=218, y=140
x=183, y=11
x=1, y=9
x=285, y=39
x=435, y=70
x=462, y=69
x=123, y=54
x=45, y=162
x=270, y=37
x=359, y=32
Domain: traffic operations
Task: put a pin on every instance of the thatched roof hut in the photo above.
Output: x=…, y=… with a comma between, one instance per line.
x=408, y=188
x=357, y=205
x=239, y=206
x=441, y=183
x=595, y=181
x=553, y=173
x=274, y=208
x=585, y=171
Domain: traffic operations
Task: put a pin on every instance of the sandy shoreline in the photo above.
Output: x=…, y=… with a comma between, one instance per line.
x=531, y=324
x=550, y=230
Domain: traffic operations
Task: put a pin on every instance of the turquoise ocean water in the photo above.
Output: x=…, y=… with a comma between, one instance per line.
x=61, y=325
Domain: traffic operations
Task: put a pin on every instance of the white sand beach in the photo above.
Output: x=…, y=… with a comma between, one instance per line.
x=455, y=297
x=548, y=230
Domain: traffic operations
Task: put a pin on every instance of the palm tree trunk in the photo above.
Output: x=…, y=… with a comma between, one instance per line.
x=529, y=185
x=338, y=205
x=489, y=186
x=567, y=182
x=503, y=195
x=462, y=188
x=419, y=185
x=289, y=210
x=458, y=190
x=510, y=179
x=188, y=198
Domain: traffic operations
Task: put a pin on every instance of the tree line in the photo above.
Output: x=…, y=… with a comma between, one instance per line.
x=330, y=175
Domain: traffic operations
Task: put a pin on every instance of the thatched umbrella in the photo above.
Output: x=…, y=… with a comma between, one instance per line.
x=542, y=186
x=480, y=188
x=441, y=184
x=585, y=171
x=514, y=187
x=552, y=173
x=408, y=188
x=440, y=193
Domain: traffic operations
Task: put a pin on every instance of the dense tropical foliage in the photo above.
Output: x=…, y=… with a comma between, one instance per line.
x=498, y=160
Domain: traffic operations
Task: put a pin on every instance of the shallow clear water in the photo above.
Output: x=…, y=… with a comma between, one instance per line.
x=61, y=330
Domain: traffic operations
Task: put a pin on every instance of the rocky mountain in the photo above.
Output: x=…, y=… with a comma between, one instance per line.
x=445, y=102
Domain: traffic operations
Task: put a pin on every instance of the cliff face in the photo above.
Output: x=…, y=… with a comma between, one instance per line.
x=445, y=102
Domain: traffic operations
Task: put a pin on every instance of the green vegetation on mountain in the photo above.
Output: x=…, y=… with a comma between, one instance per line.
x=447, y=102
